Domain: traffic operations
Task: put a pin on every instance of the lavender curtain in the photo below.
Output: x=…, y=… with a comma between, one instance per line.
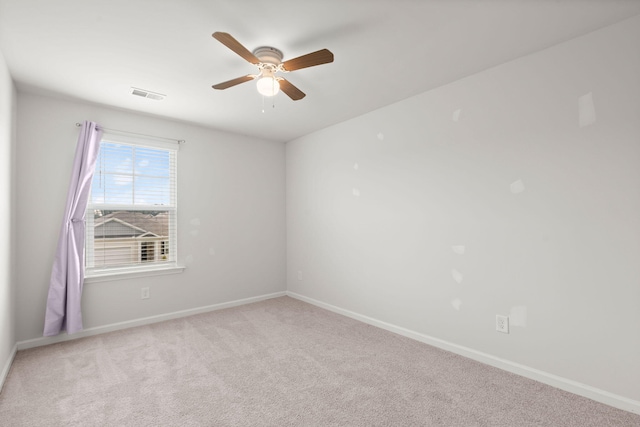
x=67, y=275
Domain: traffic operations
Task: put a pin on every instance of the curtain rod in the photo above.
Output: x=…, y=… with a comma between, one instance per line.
x=179, y=141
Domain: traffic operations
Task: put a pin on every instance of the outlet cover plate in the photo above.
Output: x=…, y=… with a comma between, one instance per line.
x=502, y=323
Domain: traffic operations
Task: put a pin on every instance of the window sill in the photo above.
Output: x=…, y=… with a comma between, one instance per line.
x=110, y=275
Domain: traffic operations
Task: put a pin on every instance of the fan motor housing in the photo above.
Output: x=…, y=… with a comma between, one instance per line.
x=268, y=55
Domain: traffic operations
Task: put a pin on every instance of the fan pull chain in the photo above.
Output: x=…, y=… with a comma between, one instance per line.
x=273, y=102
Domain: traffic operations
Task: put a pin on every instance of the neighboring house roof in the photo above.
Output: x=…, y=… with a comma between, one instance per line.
x=132, y=224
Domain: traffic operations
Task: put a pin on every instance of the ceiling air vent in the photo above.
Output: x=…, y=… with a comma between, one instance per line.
x=147, y=94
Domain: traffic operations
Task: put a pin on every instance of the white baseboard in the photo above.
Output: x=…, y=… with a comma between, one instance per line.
x=7, y=366
x=37, y=342
x=571, y=386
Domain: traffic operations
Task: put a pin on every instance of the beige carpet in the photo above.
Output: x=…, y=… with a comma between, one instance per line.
x=279, y=362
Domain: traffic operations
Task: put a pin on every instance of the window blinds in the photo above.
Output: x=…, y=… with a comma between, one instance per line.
x=131, y=217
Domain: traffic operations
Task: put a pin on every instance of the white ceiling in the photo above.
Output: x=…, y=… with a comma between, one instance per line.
x=385, y=51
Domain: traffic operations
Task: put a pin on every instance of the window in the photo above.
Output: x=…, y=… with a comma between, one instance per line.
x=131, y=214
x=147, y=251
x=164, y=248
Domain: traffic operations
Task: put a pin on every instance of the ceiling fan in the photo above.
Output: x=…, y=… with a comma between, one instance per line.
x=269, y=62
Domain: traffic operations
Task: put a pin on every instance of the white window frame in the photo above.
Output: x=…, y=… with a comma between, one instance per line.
x=93, y=274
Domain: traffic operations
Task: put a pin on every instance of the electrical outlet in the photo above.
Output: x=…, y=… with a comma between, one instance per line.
x=144, y=293
x=502, y=324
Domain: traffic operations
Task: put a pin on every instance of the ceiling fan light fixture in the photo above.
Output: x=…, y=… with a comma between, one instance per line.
x=268, y=86
x=269, y=62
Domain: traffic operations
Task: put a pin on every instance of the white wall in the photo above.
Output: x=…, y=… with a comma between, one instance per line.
x=513, y=164
x=7, y=282
x=231, y=215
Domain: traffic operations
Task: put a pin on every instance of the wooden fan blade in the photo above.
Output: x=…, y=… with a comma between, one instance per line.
x=233, y=44
x=230, y=83
x=322, y=56
x=290, y=90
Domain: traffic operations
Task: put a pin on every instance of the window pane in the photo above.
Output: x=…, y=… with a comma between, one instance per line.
x=132, y=175
x=113, y=178
x=130, y=237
